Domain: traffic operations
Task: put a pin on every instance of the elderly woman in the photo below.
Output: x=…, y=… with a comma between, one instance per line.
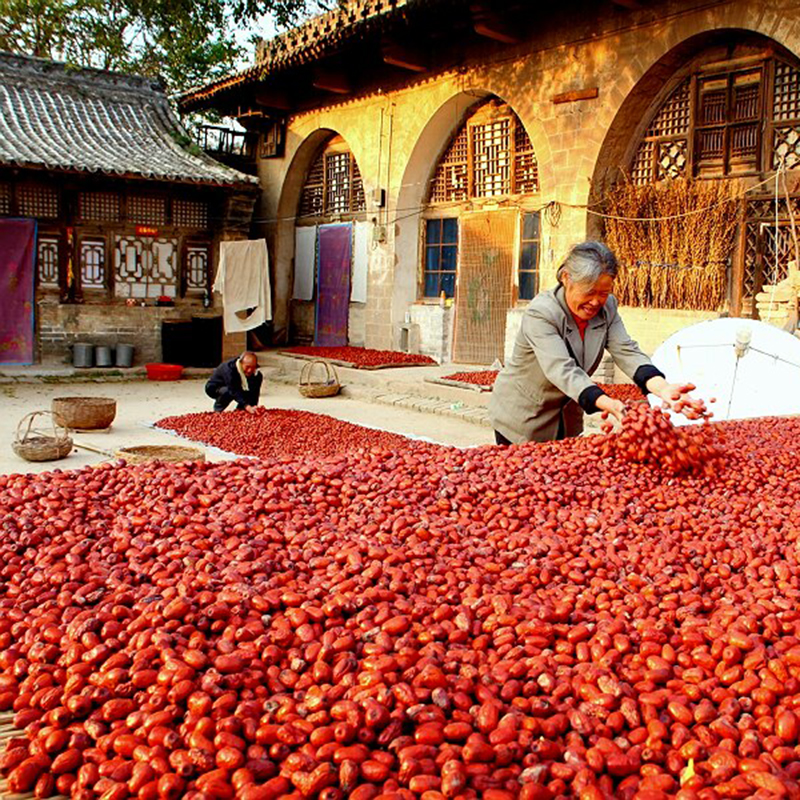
x=545, y=387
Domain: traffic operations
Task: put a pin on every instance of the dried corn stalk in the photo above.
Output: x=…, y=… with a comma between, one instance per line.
x=668, y=262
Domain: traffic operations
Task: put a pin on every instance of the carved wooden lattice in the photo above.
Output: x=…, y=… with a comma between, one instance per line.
x=99, y=206
x=190, y=214
x=5, y=199
x=47, y=247
x=35, y=200
x=490, y=156
x=144, y=210
x=92, y=257
x=526, y=168
x=786, y=116
x=145, y=268
x=333, y=186
x=491, y=149
x=450, y=183
x=197, y=261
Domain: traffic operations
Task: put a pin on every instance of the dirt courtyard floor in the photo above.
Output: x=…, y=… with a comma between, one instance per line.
x=141, y=403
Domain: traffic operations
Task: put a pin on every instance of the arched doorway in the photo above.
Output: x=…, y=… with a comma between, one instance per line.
x=330, y=249
x=723, y=106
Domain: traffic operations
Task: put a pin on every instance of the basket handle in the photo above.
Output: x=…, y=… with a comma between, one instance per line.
x=29, y=418
x=308, y=368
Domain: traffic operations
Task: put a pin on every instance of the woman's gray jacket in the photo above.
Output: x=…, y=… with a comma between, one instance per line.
x=539, y=394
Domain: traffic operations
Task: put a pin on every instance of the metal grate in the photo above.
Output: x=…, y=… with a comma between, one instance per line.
x=672, y=118
x=190, y=214
x=99, y=206
x=337, y=183
x=491, y=152
x=197, y=261
x=786, y=93
x=39, y=201
x=312, y=199
x=92, y=257
x=144, y=210
x=5, y=199
x=47, y=271
x=526, y=168
x=451, y=177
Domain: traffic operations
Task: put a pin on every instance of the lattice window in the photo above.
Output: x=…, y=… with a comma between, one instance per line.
x=145, y=268
x=337, y=183
x=147, y=210
x=92, y=258
x=491, y=152
x=671, y=159
x=778, y=251
x=359, y=201
x=47, y=260
x=190, y=214
x=786, y=93
x=786, y=148
x=312, y=200
x=39, y=201
x=99, y=206
x=673, y=117
x=5, y=199
x=490, y=156
x=526, y=168
x=333, y=186
x=196, y=267
x=450, y=183
x=642, y=169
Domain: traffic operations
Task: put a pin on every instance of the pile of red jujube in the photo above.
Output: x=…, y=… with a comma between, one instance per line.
x=275, y=433
x=484, y=377
x=539, y=621
x=361, y=356
x=648, y=435
x=627, y=392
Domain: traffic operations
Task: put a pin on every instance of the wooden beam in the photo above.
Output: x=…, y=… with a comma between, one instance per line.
x=633, y=5
x=576, y=94
x=399, y=55
x=331, y=80
x=272, y=98
x=485, y=22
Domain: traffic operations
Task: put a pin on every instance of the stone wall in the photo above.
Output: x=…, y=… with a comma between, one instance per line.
x=397, y=137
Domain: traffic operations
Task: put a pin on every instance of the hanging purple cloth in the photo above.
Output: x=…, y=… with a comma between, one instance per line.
x=17, y=249
x=333, y=284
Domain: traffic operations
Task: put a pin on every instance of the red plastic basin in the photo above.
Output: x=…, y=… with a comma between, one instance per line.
x=164, y=372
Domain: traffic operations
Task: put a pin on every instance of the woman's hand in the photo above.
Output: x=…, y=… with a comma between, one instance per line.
x=676, y=396
x=611, y=406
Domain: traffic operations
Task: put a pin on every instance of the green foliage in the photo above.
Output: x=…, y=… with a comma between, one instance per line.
x=182, y=42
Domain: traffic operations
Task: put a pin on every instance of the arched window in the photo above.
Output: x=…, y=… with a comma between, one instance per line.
x=333, y=184
x=490, y=157
x=734, y=112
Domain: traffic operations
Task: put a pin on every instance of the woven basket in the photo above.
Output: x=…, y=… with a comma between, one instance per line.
x=315, y=388
x=154, y=452
x=84, y=413
x=36, y=445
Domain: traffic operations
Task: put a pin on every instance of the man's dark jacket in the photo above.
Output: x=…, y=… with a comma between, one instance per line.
x=226, y=376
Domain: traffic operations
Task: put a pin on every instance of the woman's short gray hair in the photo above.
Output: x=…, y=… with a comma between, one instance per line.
x=587, y=261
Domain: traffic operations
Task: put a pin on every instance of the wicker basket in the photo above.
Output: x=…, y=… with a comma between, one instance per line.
x=315, y=388
x=153, y=452
x=84, y=413
x=36, y=445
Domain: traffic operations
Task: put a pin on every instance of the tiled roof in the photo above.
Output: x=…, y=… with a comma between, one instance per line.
x=89, y=120
x=303, y=44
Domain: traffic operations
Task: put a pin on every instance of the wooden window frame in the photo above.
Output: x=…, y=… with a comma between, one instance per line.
x=426, y=246
x=537, y=241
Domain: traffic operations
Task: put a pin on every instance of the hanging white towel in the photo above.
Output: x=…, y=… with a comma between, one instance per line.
x=243, y=281
x=305, y=258
x=358, y=286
